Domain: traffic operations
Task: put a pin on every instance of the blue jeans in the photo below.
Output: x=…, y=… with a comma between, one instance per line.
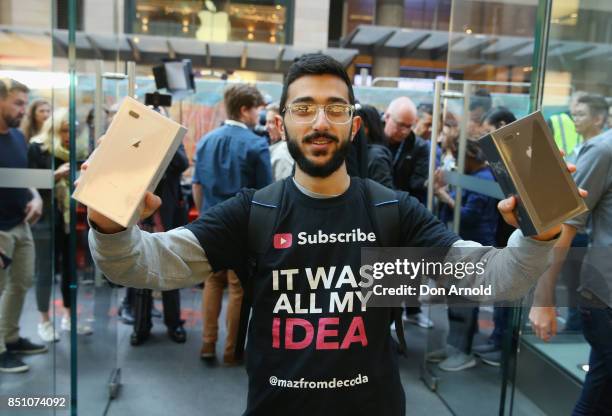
x=501, y=318
x=596, y=396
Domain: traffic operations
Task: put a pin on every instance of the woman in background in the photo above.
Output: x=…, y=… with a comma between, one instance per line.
x=38, y=112
x=449, y=140
x=478, y=222
x=49, y=150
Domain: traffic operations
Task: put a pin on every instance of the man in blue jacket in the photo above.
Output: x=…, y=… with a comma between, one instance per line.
x=229, y=159
x=19, y=208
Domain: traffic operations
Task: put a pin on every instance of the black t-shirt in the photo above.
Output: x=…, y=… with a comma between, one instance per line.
x=311, y=348
x=13, y=154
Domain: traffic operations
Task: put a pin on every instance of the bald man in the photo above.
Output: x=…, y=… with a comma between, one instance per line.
x=410, y=153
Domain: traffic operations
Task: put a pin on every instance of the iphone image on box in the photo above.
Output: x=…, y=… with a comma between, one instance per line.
x=527, y=163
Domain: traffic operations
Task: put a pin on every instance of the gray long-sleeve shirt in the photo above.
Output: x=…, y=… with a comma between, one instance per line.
x=594, y=173
x=175, y=259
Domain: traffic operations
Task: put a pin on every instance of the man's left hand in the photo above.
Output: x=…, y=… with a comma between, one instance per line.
x=507, y=209
x=33, y=210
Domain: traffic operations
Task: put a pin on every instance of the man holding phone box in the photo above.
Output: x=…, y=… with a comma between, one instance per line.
x=19, y=208
x=346, y=362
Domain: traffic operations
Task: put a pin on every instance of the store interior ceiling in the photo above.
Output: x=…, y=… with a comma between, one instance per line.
x=145, y=49
x=466, y=48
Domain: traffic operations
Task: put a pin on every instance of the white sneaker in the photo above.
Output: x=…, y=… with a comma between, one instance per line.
x=82, y=329
x=47, y=333
x=458, y=362
x=419, y=319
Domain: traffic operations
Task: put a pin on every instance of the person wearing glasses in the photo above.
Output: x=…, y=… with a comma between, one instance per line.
x=410, y=153
x=309, y=352
x=410, y=169
x=228, y=159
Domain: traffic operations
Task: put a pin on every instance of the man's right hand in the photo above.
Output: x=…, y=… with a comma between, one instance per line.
x=544, y=321
x=107, y=226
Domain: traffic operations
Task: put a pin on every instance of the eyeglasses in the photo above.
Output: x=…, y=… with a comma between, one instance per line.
x=302, y=113
x=400, y=125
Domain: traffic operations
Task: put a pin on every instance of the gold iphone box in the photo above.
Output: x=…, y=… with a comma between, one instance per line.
x=130, y=161
x=527, y=163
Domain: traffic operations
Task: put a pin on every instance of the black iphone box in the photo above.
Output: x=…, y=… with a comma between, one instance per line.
x=527, y=164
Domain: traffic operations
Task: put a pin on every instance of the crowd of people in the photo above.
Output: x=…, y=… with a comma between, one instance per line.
x=340, y=138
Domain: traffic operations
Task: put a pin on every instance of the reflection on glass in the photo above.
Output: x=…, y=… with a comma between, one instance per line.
x=575, y=104
x=216, y=21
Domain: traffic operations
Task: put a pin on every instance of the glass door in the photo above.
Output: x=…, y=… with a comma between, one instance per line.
x=34, y=352
x=575, y=95
x=470, y=350
x=87, y=50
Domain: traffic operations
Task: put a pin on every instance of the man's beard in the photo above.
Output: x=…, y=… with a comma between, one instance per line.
x=12, y=122
x=313, y=169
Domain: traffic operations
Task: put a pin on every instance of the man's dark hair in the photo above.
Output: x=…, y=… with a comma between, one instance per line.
x=498, y=115
x=9, y=85
x=241, y=95
x=598, y=106
x=481, y=99
x=424, y=108
x=315, y=64
x=371, y=120
x=472, y=151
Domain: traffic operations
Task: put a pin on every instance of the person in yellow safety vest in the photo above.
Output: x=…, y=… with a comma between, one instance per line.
x=564, y=130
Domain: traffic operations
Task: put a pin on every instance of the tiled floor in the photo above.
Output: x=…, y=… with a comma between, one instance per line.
x=159, y=377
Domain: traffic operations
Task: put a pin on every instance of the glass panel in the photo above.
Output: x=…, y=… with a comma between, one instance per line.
x=489, y=64
x=577, y=91
x=469, y=329
x=90, y=301
x=30, y=297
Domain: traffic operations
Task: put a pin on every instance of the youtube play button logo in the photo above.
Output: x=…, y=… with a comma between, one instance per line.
x=282, y=241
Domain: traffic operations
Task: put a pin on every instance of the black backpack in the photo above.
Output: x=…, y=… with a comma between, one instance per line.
x=383, y=210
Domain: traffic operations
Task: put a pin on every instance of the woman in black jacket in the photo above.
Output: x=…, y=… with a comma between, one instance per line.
x=380, y=163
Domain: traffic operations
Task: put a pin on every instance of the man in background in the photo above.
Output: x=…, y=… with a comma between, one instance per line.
x=480, y=104
x=19, y=208
x=423, y=125
x=227, y=160
x=563, y=128
x=410, y=153
x=589, y=114
x=281, y=160
x=410, y=167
